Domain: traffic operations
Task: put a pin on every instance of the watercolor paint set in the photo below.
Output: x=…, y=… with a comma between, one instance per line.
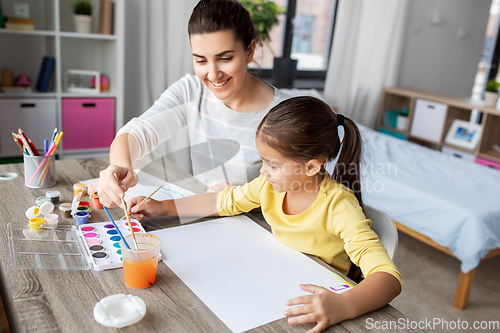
x=102, y=242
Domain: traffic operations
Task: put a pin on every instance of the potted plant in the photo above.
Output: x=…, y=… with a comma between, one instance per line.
x=264, y=15
x=82, y=15
x=491, y=93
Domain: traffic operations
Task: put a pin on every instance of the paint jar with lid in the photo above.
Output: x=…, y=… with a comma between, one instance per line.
x=82, y=218
x=40, y=200
x=53, y=196
x=65, y=209
x=78, y=187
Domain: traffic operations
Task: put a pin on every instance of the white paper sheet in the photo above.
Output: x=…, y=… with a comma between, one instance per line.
x=239, y=270
x=146, y=185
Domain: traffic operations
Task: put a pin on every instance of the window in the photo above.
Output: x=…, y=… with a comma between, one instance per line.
x=488, y=68
x=306, y=35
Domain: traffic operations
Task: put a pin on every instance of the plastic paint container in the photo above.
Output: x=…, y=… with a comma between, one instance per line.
x=65, y=209
x=97, y=203
x=36, y=224
x=32, y=212
x=40, y=200
x=83, y=209
x=84, y=204
x=53, y=196
x=51, y=220
x=77, y=188
x=82, y=218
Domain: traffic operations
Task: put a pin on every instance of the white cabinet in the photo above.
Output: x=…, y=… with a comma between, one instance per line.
x=36, y=117
x=428, y=120
x=55, y=36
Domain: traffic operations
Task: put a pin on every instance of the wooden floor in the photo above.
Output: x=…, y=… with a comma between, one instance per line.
x=464, y=280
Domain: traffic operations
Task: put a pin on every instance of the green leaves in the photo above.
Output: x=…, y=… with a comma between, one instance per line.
x=82, y=7
x=492, y=86
x=264, y=15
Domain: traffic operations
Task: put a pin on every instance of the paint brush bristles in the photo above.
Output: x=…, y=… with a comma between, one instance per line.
x=116, y=227
x=129, y=223
x=146, y=198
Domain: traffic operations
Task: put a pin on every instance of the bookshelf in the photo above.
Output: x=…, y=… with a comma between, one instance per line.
x=454, y=108
x=55, y=36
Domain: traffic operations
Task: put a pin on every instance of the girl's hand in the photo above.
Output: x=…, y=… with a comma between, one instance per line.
x=148, y=208
x=113, y=182
x=218, y=187
x=324, y=307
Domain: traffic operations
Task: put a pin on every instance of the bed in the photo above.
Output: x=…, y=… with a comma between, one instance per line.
x=449, y=203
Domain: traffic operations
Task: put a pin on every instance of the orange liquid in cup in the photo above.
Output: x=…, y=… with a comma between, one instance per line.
x=140, y=274
x=139, y=267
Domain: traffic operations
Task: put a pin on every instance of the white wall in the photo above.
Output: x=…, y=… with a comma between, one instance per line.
x=434, y=58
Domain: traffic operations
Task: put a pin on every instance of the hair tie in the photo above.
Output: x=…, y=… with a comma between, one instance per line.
x=340, y=119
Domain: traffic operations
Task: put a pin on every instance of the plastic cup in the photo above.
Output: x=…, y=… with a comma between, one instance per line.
x=139, y=267
x=39, y=171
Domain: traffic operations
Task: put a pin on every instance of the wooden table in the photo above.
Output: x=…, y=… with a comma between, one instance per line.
x=63, y=301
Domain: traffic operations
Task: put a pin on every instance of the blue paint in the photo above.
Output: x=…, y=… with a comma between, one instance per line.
x=112, y=232
x=115, y=238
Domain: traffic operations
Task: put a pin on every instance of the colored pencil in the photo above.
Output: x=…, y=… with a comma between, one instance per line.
x=16, y=140
x=130, y=224
x=146, y=198
x=31, y=145
x=116, y=227
x=50, y=152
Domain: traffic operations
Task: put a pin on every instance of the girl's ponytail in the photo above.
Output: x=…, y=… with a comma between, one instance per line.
x=347, y=170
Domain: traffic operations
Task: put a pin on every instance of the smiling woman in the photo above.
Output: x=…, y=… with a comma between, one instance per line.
x=222, y=101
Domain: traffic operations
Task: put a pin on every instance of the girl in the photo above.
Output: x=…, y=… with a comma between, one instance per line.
x=222, y=101
x=307, y=209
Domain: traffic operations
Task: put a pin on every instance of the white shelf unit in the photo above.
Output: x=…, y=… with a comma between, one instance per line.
x=54, y=35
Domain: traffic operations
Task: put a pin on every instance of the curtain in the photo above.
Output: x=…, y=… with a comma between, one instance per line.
x=365, y=56
x=157, y=53
x=157, y=50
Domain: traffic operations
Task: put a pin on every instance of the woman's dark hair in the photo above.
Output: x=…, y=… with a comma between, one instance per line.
x=305, y=128
x=218, y=15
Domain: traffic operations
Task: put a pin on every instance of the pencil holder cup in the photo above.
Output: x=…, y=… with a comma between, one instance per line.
x=39, y=171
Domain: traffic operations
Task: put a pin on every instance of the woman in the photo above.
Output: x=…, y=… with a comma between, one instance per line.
x=222, y=101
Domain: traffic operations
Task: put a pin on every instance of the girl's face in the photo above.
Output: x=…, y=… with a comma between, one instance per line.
x=220, y=62
x=281, y=172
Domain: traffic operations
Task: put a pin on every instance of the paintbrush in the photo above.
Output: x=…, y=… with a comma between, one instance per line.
x=146, y=198
x=129, y=223
x=116, y=227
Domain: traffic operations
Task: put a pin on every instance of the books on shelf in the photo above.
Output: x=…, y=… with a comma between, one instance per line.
x=20, y=24
x=390, y=118
x=16, y=90
x=46, y=70
x=106, y=17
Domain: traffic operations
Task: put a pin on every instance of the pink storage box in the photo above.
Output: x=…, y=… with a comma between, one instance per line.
x=88, y=122
x=488, y=163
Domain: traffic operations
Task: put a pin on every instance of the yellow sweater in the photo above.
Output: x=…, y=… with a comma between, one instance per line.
x=333, y=228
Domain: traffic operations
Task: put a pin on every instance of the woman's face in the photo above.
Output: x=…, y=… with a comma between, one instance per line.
x=220, y=62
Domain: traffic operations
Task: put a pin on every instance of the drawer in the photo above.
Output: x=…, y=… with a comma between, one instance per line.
x=35, y=116
x=88, y=123
x=428, y=120
x=458, y=153
x=488, y=163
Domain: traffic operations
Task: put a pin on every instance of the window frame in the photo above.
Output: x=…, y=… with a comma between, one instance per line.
x=303, y=75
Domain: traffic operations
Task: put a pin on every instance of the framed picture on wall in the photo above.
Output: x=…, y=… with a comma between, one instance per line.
x=464, y=134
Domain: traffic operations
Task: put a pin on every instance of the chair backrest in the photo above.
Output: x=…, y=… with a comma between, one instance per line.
x=385, y=228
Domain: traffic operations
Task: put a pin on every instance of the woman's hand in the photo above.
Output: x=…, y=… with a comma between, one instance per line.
x=218, y=187
x=113, y=182
x=324, y=308
x=148, y=208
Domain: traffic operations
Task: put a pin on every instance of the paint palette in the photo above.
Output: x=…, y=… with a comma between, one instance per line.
x=102, y=242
